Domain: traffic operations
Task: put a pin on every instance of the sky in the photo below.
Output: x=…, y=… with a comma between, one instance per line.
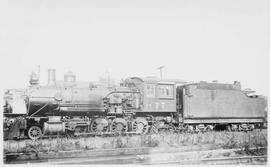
x=224, y=40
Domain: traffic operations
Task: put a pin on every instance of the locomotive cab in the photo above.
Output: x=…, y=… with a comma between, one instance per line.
x=158, y=96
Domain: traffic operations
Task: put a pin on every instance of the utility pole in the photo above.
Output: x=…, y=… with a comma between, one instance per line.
x=38, y=71
x=160, y=70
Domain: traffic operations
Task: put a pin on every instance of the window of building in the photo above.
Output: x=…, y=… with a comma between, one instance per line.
x=165, y=91
x=150, y=90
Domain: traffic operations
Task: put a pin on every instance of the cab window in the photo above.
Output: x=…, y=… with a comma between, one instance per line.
x=165, y=91
x=150, y=90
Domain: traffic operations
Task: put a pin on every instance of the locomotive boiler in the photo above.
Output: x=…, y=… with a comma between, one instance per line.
x=137, y=105
x=67, y=107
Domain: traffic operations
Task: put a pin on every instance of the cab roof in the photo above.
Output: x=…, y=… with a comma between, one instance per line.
x=158, y=80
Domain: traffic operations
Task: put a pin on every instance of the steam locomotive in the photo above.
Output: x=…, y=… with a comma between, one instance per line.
x=137, y=105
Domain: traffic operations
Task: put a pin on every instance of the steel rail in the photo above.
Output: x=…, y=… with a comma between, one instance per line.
x=196, y=161
x=138, y=155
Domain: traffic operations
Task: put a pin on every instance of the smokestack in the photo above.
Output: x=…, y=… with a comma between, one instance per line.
x=51, y=77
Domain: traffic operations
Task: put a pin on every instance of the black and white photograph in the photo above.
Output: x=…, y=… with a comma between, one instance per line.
x=134, y=82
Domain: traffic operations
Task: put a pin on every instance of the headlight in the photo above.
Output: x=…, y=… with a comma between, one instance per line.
x=11, y=121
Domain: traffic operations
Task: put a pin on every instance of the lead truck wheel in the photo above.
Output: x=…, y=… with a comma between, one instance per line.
x=34, y=132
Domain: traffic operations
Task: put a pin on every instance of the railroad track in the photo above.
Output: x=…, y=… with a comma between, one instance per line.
x=216, y=161
x=151, y=156
x=149, y=160
x=148, y=157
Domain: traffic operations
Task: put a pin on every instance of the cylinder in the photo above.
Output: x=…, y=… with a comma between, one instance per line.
x=54, y=127
x=51, y=77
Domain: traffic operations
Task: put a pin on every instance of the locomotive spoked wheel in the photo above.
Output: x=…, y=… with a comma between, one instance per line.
x=70, y=134
x=171, y=128
x=119, y=126
x=34, y=132
x=99, y=125
x=140, y=125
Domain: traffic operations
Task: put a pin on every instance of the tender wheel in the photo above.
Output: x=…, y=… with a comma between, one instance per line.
x=119, y=125
x=190, y=129
x=251, y=127
x=34, y=132
x=209, y=128
x=229, y=128
x=140, y=125
x=99, y=125
x=234, y=127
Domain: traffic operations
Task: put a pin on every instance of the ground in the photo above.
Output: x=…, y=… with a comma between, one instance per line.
x=247, y=144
